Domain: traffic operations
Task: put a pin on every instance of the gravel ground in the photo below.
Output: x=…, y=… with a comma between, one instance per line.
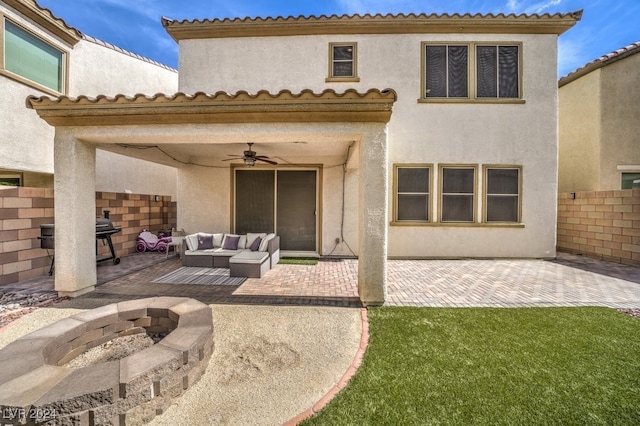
x=270, y=363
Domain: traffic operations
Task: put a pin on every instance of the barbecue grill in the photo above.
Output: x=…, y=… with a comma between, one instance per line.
x=104, y=231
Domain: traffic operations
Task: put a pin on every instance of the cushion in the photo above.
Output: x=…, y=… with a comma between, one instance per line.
x=255, y=245
x=217, y=240
x=192, y=241
x=205, y=241
x=265, y=241
x=230, y=242
x=252, y=236
x=242, y=243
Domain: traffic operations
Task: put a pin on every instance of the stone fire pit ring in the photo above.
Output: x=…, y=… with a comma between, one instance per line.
x=37, y=389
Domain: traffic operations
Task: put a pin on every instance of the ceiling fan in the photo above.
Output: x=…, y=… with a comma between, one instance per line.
x=249, y=157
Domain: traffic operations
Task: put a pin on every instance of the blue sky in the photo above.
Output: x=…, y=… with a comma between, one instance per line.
x=134, y=25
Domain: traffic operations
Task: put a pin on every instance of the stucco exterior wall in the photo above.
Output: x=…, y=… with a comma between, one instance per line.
x=620, y=140
x=510, y=134
x=26, y=141
x=580, y=129
x=599, y=126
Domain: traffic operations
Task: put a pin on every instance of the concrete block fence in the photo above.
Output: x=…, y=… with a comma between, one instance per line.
x=601, y=224
x=23, y=210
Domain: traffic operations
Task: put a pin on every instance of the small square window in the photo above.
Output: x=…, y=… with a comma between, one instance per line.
x=630, y=181
x=343, y=62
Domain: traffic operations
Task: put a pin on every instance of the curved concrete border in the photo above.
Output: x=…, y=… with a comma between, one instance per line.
x=342, y=383
x=36, y=387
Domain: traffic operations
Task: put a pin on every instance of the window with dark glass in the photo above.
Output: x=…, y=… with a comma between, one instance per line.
x=497, y=72
x=343, y=60
x=446, y=71
x=502, y=202
x=458, y=194
x=30, y=57
x=630, y=180
x=412, y=194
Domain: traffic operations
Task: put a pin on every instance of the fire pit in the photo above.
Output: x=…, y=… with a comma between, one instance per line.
x=36, y=387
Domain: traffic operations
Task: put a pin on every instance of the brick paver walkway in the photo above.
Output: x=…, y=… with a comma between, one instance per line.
x=568, y=281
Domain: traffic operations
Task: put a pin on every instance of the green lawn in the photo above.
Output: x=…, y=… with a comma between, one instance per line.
x=485, y=366
x=298, y=261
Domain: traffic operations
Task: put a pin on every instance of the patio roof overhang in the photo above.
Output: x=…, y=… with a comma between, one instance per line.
x=201, y=108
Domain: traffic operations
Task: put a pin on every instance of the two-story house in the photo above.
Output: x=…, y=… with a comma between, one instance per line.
x=412, y=136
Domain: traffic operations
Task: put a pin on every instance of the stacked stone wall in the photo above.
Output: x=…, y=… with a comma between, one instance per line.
x=23, y=210
x=601, y=224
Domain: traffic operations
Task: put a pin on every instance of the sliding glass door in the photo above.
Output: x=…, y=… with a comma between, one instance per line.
x=280, y=201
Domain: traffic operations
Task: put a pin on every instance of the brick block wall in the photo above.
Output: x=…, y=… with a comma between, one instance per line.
x=23, y=210
x=601, y=224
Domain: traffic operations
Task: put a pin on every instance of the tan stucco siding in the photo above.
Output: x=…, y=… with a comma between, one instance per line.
x=580, y=129
x=620, y=137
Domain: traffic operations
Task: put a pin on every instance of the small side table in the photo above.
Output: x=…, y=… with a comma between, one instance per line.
x=176, y=243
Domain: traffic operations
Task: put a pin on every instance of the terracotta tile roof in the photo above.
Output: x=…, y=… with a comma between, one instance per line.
x=328, y=105
x=602, y=61
x=372, y=24
x=46, y=19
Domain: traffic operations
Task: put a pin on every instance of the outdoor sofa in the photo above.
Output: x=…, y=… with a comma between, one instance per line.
x=249, y=255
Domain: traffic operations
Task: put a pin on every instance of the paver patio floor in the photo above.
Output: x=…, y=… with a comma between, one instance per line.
x=567, y=281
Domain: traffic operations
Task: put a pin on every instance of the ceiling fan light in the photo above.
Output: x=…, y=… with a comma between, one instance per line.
x=249, y=162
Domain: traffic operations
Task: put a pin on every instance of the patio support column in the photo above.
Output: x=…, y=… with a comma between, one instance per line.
x=75, y=220
x=373, y=207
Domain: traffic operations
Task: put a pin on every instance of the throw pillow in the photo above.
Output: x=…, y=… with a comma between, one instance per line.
x=230, y=242
x=205, y=242
x=255, y=245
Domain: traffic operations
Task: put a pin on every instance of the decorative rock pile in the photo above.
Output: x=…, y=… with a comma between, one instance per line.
x=37, y=389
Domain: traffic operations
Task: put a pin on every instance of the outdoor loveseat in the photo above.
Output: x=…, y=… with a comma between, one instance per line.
x=249, y=255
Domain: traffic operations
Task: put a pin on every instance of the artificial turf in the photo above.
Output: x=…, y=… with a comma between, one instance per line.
x=486, y=366
x=298, y=261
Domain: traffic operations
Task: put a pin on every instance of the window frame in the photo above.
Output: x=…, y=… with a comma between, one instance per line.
x=472, y=69
x=64, y=80
x=429, y=194
x=441, y=193
x=354, y=61
x=485, y=193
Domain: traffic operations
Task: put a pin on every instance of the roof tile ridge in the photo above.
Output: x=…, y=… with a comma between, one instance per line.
x=599, y=62
x=118, y=49
x=57, y=18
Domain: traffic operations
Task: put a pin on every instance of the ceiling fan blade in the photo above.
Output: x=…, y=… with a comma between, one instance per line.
x=266, y=160
x=234, y=158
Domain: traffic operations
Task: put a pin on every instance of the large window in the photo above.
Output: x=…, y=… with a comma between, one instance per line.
x=471, y=71
x=31, y=59
x=457, y=193
x=502, y=194
x=412, y=192
x=343, y=62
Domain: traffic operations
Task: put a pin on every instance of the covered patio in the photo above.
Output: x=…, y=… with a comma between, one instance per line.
x=194, y=134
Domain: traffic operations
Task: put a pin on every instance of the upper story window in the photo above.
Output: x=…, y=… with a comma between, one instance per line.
x=343, y=61
x=29, y=59
x=471, y=72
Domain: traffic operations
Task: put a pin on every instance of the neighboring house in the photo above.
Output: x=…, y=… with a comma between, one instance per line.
x=412, y=136
x=41, y=55
x=599, y=116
